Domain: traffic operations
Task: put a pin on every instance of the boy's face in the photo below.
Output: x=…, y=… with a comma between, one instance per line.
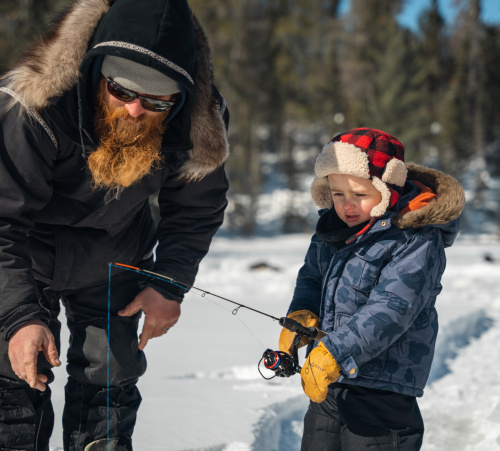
x=353, y=198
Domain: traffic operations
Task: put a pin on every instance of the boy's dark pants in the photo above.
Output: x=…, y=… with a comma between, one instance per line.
x=355, y=418
x=26, y=415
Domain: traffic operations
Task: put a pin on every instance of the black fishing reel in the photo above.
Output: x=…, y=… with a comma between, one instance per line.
x=283, y=364
x=280, y=362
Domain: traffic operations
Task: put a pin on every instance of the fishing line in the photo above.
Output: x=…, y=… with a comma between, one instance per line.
x=203, y=294
x=107, y=357
x=234, y=313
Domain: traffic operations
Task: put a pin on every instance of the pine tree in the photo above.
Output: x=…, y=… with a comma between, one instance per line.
x=465, y=109
x=369, y=29
x=396, y=96
x=434, y=71
x=275, y=64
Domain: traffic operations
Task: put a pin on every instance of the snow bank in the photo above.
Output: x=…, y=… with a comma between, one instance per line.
x=203, y=391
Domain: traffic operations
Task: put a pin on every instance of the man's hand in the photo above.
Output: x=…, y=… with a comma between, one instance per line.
x=24, y=346
x=160, y=314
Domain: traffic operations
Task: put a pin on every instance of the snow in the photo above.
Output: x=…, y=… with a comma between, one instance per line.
x=202, y=390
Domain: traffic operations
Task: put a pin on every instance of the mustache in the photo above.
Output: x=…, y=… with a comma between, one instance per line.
x=119, y=121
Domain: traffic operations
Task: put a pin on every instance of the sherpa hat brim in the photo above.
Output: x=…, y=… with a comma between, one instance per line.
x=344, y=158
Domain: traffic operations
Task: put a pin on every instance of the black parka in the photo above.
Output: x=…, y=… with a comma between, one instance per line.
x=56, y=229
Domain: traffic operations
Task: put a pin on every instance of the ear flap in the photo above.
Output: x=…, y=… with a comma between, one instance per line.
x=321, y=192
x=382, y=207
x=395, y=172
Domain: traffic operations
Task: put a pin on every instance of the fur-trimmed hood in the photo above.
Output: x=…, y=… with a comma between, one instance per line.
x=446, y=207
x=71, y=54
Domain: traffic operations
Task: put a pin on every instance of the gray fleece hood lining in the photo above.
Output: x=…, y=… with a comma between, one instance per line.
x=139, y=49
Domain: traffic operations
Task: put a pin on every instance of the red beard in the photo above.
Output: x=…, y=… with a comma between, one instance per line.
x=129, y=148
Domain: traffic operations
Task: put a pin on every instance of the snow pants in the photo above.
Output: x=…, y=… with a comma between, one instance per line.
x=355, y=418
x=26, y=415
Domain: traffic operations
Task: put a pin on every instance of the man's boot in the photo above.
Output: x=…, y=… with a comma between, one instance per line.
x=115, y=444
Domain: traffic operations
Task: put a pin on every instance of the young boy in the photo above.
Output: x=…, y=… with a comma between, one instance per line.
x=370, y=281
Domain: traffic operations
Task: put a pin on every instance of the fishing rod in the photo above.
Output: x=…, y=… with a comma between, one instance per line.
x=282, y=363
x=187, y=287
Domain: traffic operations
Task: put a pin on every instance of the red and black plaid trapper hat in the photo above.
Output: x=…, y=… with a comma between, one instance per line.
x=366, y=153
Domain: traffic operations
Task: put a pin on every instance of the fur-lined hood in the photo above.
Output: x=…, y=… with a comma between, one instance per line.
x=446, y=207
x=70, y=56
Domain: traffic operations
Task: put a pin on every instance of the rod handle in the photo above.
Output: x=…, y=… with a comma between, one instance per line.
x=295, y=326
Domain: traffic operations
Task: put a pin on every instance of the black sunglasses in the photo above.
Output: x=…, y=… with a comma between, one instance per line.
x=148, y=103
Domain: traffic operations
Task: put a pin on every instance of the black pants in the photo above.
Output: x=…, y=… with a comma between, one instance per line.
x=26, y=415
x=355, y=418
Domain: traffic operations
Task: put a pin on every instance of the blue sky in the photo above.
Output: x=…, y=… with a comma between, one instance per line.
x=490, y=11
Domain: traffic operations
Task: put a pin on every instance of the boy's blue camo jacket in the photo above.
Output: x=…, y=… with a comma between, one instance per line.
x=375, y=297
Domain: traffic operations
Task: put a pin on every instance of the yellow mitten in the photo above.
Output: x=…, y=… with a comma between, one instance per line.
x=319, y=371
x=304, y=317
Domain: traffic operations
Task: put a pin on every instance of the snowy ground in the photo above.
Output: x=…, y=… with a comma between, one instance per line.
x=202, y=390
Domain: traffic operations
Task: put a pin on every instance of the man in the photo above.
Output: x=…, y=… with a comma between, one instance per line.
x=114, y=105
